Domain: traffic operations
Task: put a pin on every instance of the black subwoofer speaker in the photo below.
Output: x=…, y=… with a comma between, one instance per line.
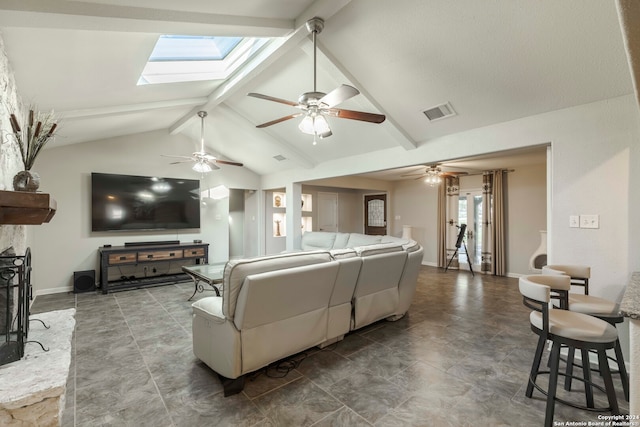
x=84, y=281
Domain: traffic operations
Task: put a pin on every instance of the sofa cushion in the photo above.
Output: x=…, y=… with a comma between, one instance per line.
x=393, y=239
x=408, y=245
x=356, y=239
x=343, y=253
x=380, y=248
x=317, y=240
x=342, y=240
x=236, y=270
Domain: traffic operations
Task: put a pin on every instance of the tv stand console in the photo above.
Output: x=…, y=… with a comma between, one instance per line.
x=148, y=254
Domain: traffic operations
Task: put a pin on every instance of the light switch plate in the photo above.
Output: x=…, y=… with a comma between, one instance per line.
x=589, y=221
x=574, y=221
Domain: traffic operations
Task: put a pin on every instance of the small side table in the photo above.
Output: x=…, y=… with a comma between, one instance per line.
x=210, y=274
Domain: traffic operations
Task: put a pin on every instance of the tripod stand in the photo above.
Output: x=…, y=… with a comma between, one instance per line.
x=461, y=242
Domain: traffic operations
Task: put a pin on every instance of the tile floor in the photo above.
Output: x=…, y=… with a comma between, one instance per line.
x=459, y=358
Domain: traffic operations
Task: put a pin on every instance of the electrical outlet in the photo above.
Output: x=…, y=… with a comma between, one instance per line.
x=589, y=221
x=574, y=221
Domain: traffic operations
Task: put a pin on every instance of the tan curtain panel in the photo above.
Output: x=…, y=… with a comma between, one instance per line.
x=453, y=194
x=487, y=228
x=442, y=225
x=499, y=231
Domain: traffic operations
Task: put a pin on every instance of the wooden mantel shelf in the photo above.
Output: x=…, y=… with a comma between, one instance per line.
x=25, y=208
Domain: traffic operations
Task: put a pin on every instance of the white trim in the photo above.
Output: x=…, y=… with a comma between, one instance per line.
x=48, y=291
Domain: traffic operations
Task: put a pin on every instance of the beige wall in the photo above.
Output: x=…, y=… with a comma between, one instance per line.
x=415, y=204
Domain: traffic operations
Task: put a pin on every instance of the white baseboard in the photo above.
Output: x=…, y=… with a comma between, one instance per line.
x=430, y=264
x=49, y=291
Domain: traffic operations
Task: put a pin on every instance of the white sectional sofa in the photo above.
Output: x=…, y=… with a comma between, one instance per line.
x=275, y=306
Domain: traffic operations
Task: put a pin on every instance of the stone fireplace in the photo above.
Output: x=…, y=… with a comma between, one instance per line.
x=15, y=290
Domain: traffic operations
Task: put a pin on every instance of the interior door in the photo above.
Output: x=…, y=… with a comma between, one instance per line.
x=375, y=214
x=327, y=211
x=470, y=213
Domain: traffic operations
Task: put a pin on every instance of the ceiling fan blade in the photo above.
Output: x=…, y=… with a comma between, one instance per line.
x=212, y=164
x=274, y=99
x=281, y=119
x=356, y=115
x=413, y=174
x=339, y=95
x=182, y=161
x=225, y=162
x=176, y=157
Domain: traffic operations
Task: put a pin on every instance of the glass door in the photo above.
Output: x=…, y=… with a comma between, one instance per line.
x=470, y=213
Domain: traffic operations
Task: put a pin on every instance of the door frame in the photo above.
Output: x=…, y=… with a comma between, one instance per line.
x=385, y=197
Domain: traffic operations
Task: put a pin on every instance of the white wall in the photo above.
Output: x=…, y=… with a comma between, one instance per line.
x=67, y=244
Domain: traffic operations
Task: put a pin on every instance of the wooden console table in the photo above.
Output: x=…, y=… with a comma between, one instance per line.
x=148, y=253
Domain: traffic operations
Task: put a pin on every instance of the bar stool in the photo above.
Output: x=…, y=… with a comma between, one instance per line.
x=575, y=330
x=580, y=274
x=601, y=308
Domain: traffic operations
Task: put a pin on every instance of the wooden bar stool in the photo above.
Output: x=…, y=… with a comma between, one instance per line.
x=575, y=330
x=601, y=308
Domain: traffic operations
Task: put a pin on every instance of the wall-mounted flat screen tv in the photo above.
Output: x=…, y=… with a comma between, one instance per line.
x=128, y=202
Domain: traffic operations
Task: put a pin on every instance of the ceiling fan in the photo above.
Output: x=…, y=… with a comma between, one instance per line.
x=316, y=106
x=433, y=174
x=203, y=162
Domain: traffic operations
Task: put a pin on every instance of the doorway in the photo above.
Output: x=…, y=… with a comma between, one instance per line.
x=327, y=211
x=375, y=214
x=470, y=213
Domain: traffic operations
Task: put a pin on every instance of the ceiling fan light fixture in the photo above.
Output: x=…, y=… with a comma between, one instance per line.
x=202, y=167
x=315, y=125
x=433, y=180
x=434, y=176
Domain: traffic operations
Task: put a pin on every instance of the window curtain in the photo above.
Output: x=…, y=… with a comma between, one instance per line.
x=447, y=221
x=499, y=226
x=442, y=225
x=494, y=259
x=486, y=258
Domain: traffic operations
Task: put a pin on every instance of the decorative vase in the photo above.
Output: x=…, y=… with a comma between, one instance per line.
x=26, y=181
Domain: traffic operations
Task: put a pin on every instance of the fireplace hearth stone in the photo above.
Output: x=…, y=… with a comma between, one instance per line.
x=32, y=389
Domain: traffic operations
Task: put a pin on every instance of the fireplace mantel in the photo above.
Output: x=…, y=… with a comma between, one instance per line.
x=26, y=208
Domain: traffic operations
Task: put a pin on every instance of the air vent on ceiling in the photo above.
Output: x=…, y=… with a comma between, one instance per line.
x=280, y=157
x=439, y=112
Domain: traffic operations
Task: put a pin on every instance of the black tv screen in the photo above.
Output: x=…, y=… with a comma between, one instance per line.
x=128, y=202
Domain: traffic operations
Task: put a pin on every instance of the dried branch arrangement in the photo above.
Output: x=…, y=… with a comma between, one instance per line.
x=33, y=135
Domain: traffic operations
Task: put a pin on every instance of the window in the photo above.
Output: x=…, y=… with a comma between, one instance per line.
x=177, y=58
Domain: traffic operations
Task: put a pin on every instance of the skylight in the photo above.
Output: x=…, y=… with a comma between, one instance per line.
x=194, y=58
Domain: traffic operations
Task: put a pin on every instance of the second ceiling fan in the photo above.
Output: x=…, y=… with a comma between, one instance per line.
x=316, y=106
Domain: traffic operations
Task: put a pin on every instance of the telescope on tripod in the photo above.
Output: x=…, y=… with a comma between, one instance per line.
x=460, y=242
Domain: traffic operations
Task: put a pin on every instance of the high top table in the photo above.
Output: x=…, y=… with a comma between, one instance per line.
x=211, y=274
x=630, y=307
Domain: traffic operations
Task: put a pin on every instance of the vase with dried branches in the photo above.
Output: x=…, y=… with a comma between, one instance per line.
x=36, y=131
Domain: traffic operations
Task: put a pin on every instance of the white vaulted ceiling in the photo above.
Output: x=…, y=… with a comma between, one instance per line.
x=494, y=61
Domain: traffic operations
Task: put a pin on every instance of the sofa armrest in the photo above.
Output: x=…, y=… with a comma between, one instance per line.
x=210, y=308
